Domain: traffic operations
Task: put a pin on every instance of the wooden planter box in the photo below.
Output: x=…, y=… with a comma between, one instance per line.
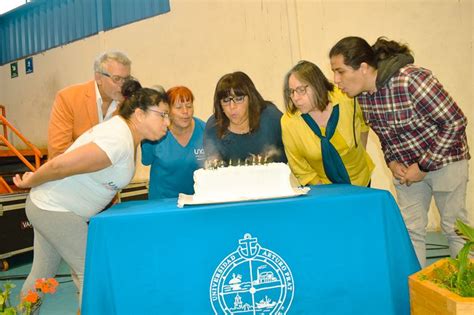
x=426, y=298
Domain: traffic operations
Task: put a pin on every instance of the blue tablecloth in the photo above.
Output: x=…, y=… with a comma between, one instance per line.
x=338, y=250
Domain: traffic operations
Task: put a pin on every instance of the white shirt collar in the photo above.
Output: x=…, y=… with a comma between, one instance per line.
x=110, y=110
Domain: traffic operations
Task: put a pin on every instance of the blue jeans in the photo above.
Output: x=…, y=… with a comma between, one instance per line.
x=448, y=187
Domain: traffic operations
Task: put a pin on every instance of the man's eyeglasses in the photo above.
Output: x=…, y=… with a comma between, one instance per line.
x=163, y=115
x=116, y=78
x=236, y=99
x=300, y=90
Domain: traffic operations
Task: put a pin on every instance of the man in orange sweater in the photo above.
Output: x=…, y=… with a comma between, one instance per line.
x=79, y=107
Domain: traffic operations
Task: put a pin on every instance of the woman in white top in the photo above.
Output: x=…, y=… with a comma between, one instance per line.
x=72, y=187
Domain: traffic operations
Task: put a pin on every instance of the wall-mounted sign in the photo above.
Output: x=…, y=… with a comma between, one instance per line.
x=14, y=69
x=29, y=65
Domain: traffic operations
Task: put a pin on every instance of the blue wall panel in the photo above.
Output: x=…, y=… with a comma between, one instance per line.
x=43, y=24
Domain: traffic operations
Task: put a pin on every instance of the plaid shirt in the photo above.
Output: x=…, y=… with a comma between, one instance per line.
x=416, y=120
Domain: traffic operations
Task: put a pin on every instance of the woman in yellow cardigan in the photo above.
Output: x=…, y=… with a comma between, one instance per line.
x=323, y=131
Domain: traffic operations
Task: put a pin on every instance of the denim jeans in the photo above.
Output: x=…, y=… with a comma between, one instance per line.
x=448, y=187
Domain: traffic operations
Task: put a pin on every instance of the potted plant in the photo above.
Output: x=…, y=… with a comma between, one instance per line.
x=447, y=286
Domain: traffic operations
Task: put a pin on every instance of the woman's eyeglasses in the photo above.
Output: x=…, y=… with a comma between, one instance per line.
x=236, y=99
x=163, y=115
x=300, y=90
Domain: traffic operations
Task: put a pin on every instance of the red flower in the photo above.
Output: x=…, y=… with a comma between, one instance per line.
x=31, y=297
x=39, y=283
x=46, y=285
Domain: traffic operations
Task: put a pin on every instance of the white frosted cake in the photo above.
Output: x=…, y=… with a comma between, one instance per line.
x=234, y=183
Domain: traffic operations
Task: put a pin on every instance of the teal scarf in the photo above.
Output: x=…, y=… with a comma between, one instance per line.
x=332, y=162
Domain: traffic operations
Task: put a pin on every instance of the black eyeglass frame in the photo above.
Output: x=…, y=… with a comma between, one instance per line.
x=116, y=78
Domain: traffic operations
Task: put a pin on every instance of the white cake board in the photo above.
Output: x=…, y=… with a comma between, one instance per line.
x=185, y=200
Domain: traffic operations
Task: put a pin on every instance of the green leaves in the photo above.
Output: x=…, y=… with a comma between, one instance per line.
x=458, y=275
x=465, y=230
x=9, y=311
x=463, y=256
x=5, y=306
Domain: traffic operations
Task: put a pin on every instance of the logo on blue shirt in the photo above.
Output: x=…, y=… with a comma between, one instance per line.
x=199, y=154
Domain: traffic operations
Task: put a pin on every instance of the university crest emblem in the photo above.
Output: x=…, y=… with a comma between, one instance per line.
x=252, y=280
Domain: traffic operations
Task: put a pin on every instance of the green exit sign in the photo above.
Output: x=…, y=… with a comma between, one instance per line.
x=14, y=69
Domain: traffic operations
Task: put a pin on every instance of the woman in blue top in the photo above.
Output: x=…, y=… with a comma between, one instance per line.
x=176, y=156
x=243, y=125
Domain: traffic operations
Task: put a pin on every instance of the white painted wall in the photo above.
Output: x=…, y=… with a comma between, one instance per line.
x=199, y=41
